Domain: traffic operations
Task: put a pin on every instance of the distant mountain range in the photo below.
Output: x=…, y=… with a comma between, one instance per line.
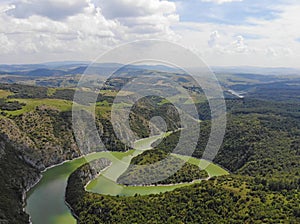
x=79, y=67
x=73, y=68
x=257, y=70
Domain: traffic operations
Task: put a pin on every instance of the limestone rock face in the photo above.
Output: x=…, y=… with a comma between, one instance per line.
x=17, y=177
x=43, y=136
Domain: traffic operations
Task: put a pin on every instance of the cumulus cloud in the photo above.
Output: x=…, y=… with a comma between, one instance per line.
x=146, y=17
x=79, y=29
x=278, y=51
x=83, y=33
x=213, y=39
x=53, y=9
x=136, y=8
x=239, y=45
x=37, y=30
x=277, y=44
x=5, y=8
x=6, y=46
x=227, y=45
x=221, y=1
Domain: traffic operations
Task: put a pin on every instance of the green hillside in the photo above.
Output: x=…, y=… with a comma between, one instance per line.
x=160, y=164
x=261, y=150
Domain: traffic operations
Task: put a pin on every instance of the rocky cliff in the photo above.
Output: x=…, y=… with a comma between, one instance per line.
x=17, y=177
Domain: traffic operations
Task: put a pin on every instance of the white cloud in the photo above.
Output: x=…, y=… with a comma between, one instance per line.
x=83, y=29
x=5, y=8
x=6, y=46
x=80, y=35
x=213, y=39
x=77, y=29
x=221, y=1
x=226, y=45
x=144, y=18
x=53, y=9
x=274, y=43
x=136, y=8
x=239, y=45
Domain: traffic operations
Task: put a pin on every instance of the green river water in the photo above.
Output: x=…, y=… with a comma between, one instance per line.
x=45, y=202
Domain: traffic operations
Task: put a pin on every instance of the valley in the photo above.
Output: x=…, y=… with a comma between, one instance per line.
x=149, y=112
x=54, y=181
x=255, y=170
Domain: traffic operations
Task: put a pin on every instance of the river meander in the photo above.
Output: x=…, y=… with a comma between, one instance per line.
x=45, y=202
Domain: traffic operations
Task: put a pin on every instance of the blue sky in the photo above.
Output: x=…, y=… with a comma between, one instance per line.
x=222, y=32
x=233, y=13
x=242, y=32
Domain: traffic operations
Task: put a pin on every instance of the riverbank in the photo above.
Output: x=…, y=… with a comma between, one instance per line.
x=56, y=175
x=31, y=186
x=46, y=209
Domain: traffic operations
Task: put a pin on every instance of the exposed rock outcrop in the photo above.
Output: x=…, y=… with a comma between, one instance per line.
x=16, y=178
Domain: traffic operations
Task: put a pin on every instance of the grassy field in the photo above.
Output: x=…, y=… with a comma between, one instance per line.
x=115, y=93
x=58, y=104
x=211, y=168
x=181, y=98
x=4, y=94
x=31, y=104
x=51, y=91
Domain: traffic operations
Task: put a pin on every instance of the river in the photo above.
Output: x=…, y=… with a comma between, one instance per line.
x=45, y=201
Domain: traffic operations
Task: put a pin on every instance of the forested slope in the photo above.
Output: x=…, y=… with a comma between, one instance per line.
x=36, y=125
x=260, y=149
x=16, y=177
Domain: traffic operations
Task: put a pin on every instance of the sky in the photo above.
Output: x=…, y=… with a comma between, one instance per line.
x=263, y=33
